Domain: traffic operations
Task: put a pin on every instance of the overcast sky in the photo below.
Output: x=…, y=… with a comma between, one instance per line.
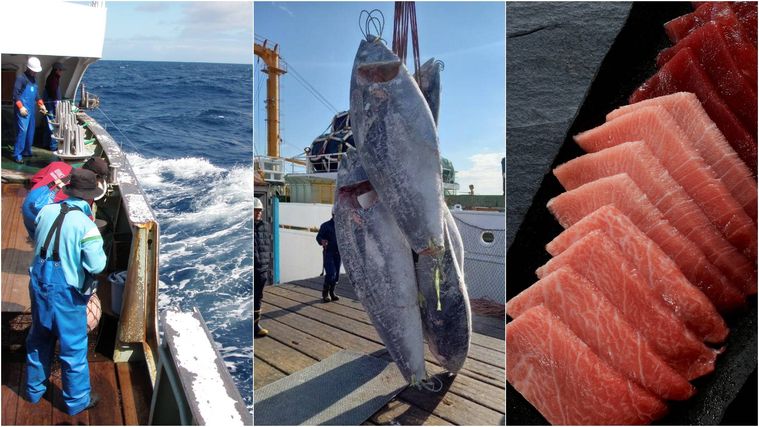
x=179, y=31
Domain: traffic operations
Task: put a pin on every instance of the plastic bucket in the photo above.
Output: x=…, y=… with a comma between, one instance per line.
x=117, y=281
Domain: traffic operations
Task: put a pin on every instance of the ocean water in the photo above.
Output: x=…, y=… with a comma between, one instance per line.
x=187, y=132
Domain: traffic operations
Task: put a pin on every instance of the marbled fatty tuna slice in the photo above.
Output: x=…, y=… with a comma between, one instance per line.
x=599, y=260
x=682, y=73
x=601, y=326
x=638, y=162
x=660, y=131
x=662, y=274
x=704, y=135
x=568, y=383
x=396, y=139
x=621, y=192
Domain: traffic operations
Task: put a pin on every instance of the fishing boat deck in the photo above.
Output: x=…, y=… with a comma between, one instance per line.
x=304, y=331
x=124, y=388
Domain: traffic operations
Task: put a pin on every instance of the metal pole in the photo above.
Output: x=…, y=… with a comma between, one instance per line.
x=275, y=235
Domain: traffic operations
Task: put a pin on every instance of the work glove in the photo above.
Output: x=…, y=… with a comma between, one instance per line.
x=43, y=110
x=23, y=111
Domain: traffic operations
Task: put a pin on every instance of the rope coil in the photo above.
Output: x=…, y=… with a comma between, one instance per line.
x=371, y=22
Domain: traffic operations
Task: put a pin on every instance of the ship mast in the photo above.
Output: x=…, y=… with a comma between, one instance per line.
x=270, y=56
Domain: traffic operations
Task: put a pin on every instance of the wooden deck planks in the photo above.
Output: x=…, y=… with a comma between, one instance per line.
x=11, y=380
x=304, y=330
x=16, y=251
x=135, y=393
x=104, y=384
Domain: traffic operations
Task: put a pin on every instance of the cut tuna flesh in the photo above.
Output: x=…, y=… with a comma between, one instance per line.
x=746, y=13
x=740, y=48
x=638, y=162
x=683, y=74
x=599, y=260
x=662, y=135
x=705, y=137
x=620, y=191
x=689, y=303
x=583, y=308
x=568, y=383
x=713, y=54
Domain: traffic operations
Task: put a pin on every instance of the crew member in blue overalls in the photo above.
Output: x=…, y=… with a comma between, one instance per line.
x=52, y=95
x=25, y=97
x=68, y=251
x=331, y=259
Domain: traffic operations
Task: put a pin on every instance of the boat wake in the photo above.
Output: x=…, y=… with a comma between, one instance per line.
x=206, y=260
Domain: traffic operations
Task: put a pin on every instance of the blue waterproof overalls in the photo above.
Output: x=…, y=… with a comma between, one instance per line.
x=59, y=312
x=37, y=199
x=25, y=136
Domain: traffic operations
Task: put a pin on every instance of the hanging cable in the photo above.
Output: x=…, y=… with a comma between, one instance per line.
x=309, y=87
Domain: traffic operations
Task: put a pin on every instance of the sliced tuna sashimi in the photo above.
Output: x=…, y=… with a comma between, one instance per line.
x=620, y=191
x=568, y=383
x=663, y=136
x=746, y=12
x=706, y=138
x=580, y=305
x=662, y=274
x=637, y=161
x=742, y=49
x=712, y=52
x=683, y=74
x=599, y=260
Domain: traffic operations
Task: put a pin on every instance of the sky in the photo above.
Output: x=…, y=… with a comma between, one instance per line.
x=179, y=31
x=319, y=42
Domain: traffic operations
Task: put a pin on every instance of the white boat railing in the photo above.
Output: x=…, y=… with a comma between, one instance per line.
x=272, y=168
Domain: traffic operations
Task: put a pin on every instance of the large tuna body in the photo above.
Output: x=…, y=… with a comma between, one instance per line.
x=378, y=260
x=444, y=302
x=396, y=138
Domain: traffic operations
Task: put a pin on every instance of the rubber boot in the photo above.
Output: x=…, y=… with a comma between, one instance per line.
x=325, y=293
x=257, y=329
x=332, y=292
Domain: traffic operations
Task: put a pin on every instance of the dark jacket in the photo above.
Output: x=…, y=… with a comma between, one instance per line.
x=261, y=247
x=327, y=232
x=53, y=87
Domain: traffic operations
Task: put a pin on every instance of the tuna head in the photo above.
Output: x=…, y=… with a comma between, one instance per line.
x=379, y=264
x=396, y=138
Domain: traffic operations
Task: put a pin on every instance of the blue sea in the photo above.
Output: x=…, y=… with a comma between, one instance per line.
x=187, y=132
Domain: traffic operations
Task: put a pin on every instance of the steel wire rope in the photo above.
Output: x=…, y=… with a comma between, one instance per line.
x=302, y=80
x=132, y=144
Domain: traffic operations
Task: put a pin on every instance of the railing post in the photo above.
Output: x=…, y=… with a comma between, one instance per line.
x=275, y=235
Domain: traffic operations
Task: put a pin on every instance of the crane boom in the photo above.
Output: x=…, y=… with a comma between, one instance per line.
x=270, y=56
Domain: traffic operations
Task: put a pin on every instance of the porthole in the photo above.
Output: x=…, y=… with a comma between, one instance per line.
x=487, y=238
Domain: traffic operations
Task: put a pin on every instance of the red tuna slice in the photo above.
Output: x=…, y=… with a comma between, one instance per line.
x=599, y=260
x=638, y=162
x=568, y=383
x=580, y=305
x=712, y=52
x=741, y=49
x=683, y=74
x=705, y=137
x=660, y=131
x=620, y=191
x=746, y=12
x=688, y=302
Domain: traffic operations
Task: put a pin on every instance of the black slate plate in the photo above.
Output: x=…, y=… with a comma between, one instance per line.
x=629, y=62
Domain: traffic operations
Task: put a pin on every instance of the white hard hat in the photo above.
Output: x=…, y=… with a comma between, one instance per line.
x=34, y=64
x=257, y=203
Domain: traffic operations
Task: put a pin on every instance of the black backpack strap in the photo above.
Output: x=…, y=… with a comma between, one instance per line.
x=56, y=229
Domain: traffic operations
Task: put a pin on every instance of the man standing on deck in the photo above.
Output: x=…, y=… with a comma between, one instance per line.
x=331, y=259
x=25, y=97
x=68, y=250
x=52, y=95
x=261, y=263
